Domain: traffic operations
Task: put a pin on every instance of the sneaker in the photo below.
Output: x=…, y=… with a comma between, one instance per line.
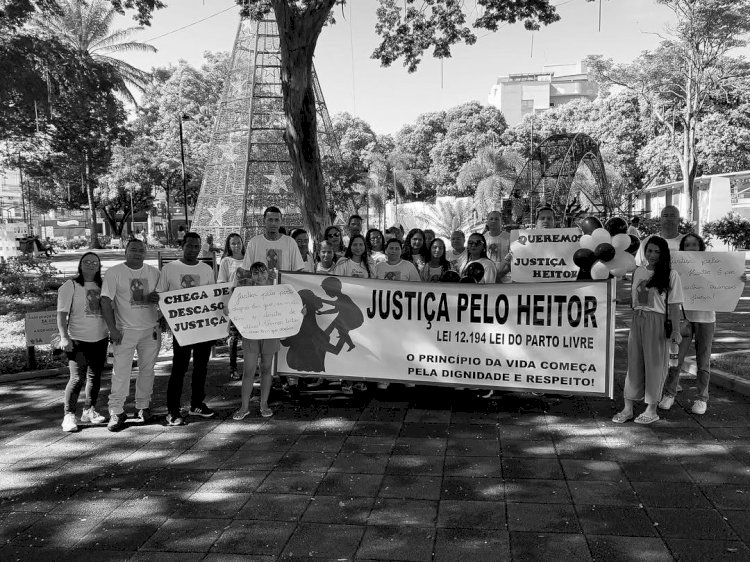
x=69, y=423
x=699, y=407
x=175, y=419
x=234, y=375
x=145, y=415
x=666, y=402
x=92, y=416
x=383, y=386
x=202, y=411
x=116, y=421
x=488, y=395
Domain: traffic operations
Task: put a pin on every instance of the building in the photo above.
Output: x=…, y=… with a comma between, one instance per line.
x=11, y=205
x=518, y=95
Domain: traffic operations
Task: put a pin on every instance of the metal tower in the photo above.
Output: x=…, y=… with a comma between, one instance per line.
x=248, y=167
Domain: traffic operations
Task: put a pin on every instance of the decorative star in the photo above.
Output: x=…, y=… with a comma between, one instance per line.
x=278, y=181
x=217, y=213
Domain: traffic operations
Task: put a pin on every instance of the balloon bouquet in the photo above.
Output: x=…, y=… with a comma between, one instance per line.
x=605, y=250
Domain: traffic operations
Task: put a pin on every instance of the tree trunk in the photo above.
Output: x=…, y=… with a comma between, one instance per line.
x=93, y=235
x=298, y=36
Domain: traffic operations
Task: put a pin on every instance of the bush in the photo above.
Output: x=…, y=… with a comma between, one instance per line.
x=733, y=230
x=651, y=226
x=27, y=275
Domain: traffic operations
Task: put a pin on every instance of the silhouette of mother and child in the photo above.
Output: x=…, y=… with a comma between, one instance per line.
x=308, y=348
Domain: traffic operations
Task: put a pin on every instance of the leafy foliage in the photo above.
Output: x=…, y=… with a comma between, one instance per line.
x=27, y=275
x=732, y=229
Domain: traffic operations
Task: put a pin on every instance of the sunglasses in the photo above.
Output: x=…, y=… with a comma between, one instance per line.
x=90, y=262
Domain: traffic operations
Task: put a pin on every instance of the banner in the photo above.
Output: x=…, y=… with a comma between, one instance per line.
x=544, y=255
x=197, y=314
x=710, y=280
x=552, y=337
x=269, y=311
x=40, y=327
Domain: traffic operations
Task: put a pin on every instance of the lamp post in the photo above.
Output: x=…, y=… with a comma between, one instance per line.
x=182, y=118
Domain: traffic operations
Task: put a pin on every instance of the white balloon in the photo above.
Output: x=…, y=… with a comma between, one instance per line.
x=599, y=270
x=620, y=242
x=601, y=236
x=621, y=264
x=587, y=241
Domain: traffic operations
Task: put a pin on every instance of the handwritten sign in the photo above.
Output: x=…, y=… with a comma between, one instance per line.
x=197, y=314
x=264, y=312
x=710, y=280
x=544, y=255
x=40, y=327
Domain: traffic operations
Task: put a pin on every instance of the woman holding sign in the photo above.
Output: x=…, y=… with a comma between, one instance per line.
x=653, y=286
x=234, y=254
x=476, y=252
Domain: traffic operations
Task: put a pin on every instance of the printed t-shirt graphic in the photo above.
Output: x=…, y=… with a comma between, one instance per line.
x=93, y=307
x=139, y=291
x=188, y=281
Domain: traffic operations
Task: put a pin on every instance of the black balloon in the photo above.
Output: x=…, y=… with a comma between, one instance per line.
x=634, y=245
x=584, y=259
x=584, y=275
x=605, y=252
x=590, y=224
x=616, y=225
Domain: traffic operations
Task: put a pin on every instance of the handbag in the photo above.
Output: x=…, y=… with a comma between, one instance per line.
x=686, y=329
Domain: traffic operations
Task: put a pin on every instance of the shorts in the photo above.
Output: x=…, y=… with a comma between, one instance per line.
x=261, y=347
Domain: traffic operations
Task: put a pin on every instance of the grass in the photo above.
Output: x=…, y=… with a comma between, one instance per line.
x=736, y=363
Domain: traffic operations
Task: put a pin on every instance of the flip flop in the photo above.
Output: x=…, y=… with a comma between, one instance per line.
x=621, y=417
x=645, y=420
x=240, y=415
x=266, y=412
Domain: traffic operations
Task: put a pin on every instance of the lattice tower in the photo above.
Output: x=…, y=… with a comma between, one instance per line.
x=248, y=166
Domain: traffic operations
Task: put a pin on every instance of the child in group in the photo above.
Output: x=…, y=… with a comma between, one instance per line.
x=394, y=268
x=438, y=264
x=653, y=286
x=375, y=245
x=327, y=259
x=234, y=254
x=356, y=261
x=252, y=349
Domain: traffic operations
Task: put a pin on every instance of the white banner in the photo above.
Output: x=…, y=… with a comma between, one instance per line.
x=40, y=327
x=544, y=255
x=269, y=311
x=197, y=314
x=710, y=280
x=552, y=337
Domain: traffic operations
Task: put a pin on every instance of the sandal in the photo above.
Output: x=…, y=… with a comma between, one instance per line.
x=645, y=419
x=266, y=412
x=240, y=415
x=622, y=417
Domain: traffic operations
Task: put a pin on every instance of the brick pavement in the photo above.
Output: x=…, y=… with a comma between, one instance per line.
x=408, y=474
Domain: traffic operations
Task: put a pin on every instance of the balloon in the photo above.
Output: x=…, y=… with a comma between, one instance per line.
x=590, y=224
x=634, y=244
x=601, y=236
x=587, y=242
x=583, y=275
x=622, y=264
x=604, y=252
x=621, y=241
x=616, y=225
x=584, y=259
x=599, y=271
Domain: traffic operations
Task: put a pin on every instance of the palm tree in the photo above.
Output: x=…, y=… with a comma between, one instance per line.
x=498, y=170
x=86, y=27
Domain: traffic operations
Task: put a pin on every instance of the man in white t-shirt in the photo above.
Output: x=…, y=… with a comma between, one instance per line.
x=456, y=256
x=669, y=230
x=498, y=242
x=185, y=273
x=278, y=251
x=129, y=307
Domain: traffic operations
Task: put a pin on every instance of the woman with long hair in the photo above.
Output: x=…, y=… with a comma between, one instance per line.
x=356, y=261
x=375, y=242
x=434, y=269
x=654, y=285
x=476, y=252
x=333, y=235
x=84, y=338
x=415, y=249
x=234, y=254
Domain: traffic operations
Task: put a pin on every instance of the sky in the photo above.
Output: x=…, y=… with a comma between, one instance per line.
x=389, y=98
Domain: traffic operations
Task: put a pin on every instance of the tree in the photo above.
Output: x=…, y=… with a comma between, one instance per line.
x=677, y=81
x=495, y=171
x=407, y=30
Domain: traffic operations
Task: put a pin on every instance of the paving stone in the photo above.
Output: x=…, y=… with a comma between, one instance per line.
x=99, y=555
x=284, y=482
x=489, y=489
x=121, y=533
x=473, y=447
x=243, y=481
x=471, y=544
x=603, y=493
x=200, y=460
x=655, y=471
x=624, y=549
x=691, y=524
x=391, y=511
x=545, y=469
x=718, y=471
x=480, y=467
x=254, y=537
x=527, y=449
x=96, y=507
x=183, y=535
x=245, y=459
x=350, y=485
x=670, y=494
x=22, y=553
x=537, y=491
x=367, y=463
x=615, y=520
x=419, y=446
x=691, y=550
x=413, y=487
x=13, y=523
x=428, y=415
x=415, y=464
x=471, y=514
x=55, y=531
x=312, y=540
x=274, y=507
x=543, y=518
x=552, y=546
x=212, y=505
x=338, y=510
x=577, y=469
x=365, y=444
x=276, y=443
x=409, y=543
x=731, y=497
x=318, y=443
x=377, y=428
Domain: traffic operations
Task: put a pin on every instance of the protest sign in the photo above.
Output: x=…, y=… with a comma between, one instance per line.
x=197, y=314
x=552, y=337
x=268, y=311
x=710, y=280
x=544, y=255
x=40, y=327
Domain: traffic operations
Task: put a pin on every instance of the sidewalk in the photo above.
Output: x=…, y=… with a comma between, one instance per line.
x=408, y=474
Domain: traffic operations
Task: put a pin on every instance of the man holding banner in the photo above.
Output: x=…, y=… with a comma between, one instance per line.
x=187, y=273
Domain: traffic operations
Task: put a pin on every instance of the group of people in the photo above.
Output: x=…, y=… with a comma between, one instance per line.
x=122, y=307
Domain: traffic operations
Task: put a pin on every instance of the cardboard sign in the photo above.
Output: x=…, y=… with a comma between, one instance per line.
x=197, y=314
x=544, y=255
x=40, y=327
x=710, y=280
x=271, y=311
x=551, y=337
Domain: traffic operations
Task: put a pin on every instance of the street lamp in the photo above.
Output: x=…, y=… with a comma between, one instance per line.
x=183, y=117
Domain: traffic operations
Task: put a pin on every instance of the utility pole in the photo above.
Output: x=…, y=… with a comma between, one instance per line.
x=182, y=161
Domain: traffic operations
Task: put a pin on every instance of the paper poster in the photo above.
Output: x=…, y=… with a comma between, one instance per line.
x=544, y=255
x=263, y=312
x=197, y=314
x=710, y=280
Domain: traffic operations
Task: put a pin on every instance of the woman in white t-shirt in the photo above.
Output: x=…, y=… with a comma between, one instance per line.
x=234, y=254
x=302, y=238
x=652, y=286
x=438, y=264
x=356, y=262
x=396, y=269
x=375, y=245
x=415, y=249
x=476, y=252
x=84, y=338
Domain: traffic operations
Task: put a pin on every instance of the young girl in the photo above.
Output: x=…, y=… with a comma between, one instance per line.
x=476, y=252
x=327, y=261
x=653, y=285
x=234, y=253
x=356, y=262
x=415, y=249
x=375, y=245
x=332, y=235
x=438, y=264
x=252, y=349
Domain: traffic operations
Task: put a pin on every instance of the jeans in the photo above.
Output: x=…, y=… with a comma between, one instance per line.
x=201, y=354
x=703, y=332
x=86, y=359
x=147, y=342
